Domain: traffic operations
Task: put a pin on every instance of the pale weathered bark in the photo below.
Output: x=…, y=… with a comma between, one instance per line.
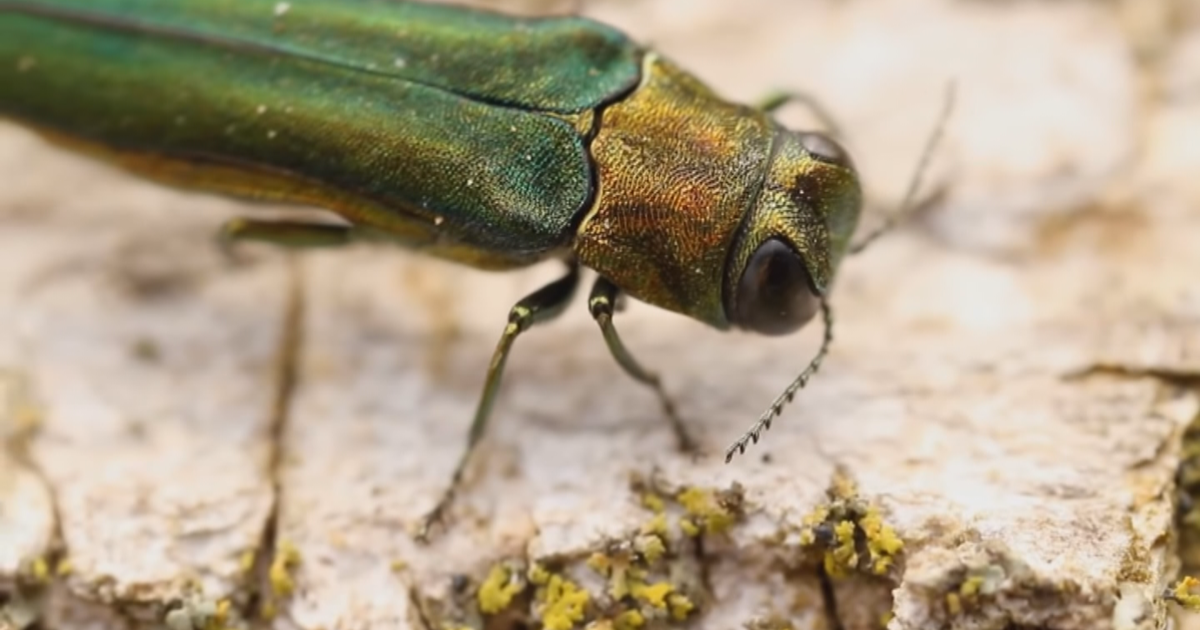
x=1007, y=393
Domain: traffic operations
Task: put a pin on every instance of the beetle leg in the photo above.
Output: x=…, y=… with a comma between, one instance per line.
x=286, y=233
x=601, y=303
x=540, y=306
x=775, y=100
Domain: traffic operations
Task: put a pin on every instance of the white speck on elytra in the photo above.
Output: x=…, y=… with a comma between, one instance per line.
x=262, y=109
x=271, y=134
x=282, y=8
x=470, y=182
x=439, y=220
x=400, y=62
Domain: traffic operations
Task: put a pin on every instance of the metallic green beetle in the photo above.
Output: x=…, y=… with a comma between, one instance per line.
x=490, y=140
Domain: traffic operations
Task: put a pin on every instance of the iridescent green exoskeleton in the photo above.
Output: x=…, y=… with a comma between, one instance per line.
x=486, y=139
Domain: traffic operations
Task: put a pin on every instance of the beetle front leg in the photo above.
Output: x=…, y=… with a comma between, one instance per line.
x=540, y=306
x=601, y=303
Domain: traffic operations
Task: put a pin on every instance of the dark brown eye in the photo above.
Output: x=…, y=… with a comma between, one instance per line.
x=824, y=148
x=775, y=295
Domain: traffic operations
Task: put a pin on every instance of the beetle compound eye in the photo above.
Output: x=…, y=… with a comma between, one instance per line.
x=775, y=295
x=824, y=148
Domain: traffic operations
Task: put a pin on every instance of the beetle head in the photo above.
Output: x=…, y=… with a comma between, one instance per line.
x=788, y=247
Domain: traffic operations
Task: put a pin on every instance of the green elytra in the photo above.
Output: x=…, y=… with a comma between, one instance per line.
x=359, y=95
x=465, y=134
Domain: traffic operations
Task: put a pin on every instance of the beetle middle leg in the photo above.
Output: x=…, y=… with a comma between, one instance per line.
x=601, y=303
x=540, y=306
x=773, y=101
x=288, y=234
x=298, y=234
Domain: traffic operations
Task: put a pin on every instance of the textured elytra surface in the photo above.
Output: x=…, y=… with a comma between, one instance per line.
x=1009, y=381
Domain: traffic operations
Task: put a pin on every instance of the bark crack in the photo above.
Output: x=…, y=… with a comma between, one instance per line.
x=829, y=599
x=286, y=374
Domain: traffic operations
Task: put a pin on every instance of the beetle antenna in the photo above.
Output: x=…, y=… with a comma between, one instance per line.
x=909, y=205
x=764, y=421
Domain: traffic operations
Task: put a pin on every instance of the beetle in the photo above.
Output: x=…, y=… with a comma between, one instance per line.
x=490, y=140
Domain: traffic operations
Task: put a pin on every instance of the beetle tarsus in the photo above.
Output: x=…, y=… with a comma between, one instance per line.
x=540, y=306
x=601, y=303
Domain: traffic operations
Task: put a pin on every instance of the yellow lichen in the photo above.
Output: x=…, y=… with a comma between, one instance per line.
x=498, y=590
x=538, y=575
x=599, y=563
x=246, y=561
x=629, y=620
x=689, y=527
x=398, y=566
x=64, y=567
x=842, y=556
x=615, y=568
x=970, y=586
x=563, y=603
x=680, y=605
x=709, y=515
x=39, y=570
x=1184, y=593
x=953, y=604
x=832, y=568
x=652, y=594
x=843, y=486
x=882, y=542
x=656, y=525
x=651, y=547
x=810, y=522
x=819, y=515
x=618, y=585
x=653, y=502
x=220, y=615
x=287, y=557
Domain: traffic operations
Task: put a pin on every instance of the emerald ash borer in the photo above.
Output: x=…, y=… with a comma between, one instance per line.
x=491, y=140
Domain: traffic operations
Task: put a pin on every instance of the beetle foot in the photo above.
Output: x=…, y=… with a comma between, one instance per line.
x=434, y=517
